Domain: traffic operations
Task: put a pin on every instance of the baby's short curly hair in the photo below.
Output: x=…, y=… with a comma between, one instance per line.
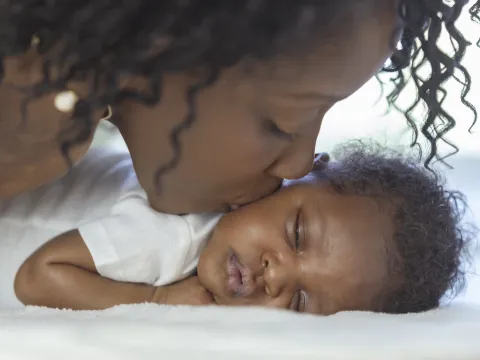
x=430, y=239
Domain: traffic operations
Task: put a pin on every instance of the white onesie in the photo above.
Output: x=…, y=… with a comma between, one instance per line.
x=102, y=198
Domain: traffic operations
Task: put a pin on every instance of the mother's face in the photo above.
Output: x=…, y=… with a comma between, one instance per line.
x=252, y=128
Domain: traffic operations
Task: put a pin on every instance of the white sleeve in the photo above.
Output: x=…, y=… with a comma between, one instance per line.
x=137, y=244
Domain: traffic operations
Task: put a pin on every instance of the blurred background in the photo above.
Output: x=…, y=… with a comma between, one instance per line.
x=363, y=115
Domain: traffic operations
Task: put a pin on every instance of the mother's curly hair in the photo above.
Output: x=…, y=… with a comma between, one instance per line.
x=430, y=241
x=106, y=40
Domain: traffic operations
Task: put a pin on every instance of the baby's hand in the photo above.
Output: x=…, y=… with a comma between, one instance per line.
x=185, y=292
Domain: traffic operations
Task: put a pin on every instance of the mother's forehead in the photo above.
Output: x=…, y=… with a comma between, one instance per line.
x=342, y=61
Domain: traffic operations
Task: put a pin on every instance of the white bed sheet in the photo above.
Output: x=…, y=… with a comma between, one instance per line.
x=161, y=332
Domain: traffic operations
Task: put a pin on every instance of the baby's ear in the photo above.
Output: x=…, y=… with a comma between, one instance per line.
x=321, y=161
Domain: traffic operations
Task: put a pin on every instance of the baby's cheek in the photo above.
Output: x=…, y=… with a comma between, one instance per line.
x=245, y=227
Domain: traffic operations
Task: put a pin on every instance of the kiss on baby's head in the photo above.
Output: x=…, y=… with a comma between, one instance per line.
x=371, y=232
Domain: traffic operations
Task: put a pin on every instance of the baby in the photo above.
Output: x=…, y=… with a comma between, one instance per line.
x=372, y=232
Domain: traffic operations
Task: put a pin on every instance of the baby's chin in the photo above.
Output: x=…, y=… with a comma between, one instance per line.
x=211, y=283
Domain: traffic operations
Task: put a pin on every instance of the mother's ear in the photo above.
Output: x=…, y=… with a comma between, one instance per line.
x=321, y=161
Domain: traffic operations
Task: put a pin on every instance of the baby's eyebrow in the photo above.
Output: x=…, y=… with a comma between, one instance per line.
x=316, y=236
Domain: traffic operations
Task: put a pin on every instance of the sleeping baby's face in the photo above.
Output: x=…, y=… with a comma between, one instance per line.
x=305, y=248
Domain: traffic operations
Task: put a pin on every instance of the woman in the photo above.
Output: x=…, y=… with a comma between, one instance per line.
x=218, y=101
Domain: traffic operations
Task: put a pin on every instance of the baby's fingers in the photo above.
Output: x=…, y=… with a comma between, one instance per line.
x=205, y=298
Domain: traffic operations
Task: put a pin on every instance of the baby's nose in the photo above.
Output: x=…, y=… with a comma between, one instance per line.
x=277, y=275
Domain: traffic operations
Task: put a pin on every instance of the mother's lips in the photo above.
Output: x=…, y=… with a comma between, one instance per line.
x=241, y=203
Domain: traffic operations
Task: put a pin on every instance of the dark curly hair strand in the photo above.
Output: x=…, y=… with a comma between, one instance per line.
x=423, y=23
x=474, y=15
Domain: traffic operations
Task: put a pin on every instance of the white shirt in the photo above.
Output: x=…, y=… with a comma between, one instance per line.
x=102, y=198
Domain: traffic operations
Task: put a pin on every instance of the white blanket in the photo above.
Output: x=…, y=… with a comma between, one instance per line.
x=161, y=332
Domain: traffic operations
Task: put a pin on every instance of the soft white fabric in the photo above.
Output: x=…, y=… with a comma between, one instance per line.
x=103, y=199
x=136, y=244
x=160, y=332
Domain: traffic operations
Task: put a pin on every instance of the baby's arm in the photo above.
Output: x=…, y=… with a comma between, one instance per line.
x=62, y=274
